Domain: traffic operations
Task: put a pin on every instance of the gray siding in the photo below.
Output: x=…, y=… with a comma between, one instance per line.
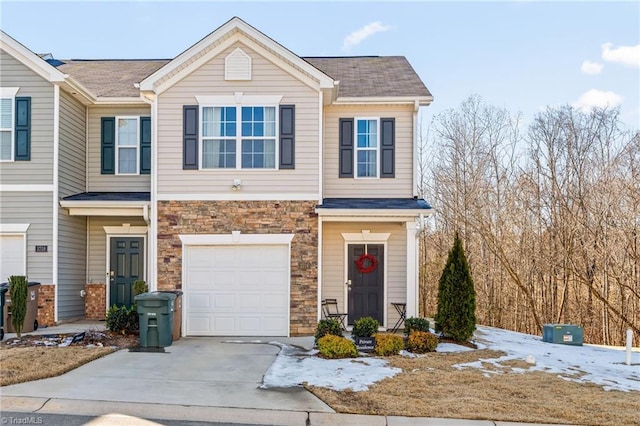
x=34, y=208
x=100, y=182
x=267, y=79
x=40, y=169
x=72, y=255
x=333, y=262
x=72, y=171
x=401, y=186
x=97, y=263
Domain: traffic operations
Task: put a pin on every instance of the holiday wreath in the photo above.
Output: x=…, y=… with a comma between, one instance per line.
x=361, y=263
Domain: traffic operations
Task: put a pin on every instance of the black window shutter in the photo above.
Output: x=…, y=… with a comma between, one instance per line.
x=387, y=147
x=23, y=129
x=346, y=148
x=145, y=145
x=287, y=136
x=190, y=137
x=108, y=146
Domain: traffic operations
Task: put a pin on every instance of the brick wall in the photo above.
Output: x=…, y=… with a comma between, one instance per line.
x=95, y=301
x=46, y=304
x=248, y=217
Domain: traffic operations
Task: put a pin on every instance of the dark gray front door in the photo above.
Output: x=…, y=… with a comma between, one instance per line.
x=366, y=295
x=127, y=265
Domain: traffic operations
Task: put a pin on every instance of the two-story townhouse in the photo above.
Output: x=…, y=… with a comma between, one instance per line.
x=256, y=181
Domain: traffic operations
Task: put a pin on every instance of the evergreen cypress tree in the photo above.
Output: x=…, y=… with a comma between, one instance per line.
x=456, y=316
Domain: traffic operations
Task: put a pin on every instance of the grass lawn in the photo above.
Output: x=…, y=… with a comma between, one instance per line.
x=430, y=386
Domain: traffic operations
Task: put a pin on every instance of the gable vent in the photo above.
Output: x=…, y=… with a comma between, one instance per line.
x=237, y=66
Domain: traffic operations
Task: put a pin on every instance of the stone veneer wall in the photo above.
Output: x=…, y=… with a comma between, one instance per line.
x=95, y=301
x=248, y=217
x=46, y=304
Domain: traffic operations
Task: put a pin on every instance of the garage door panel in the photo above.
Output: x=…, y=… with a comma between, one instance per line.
x=12, y=254
x=199, y=324
x=246, y=289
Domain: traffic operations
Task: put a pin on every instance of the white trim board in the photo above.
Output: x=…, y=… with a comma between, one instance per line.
x=234, y=238
x=237, y=196
x=14, y=228
x=26, y=188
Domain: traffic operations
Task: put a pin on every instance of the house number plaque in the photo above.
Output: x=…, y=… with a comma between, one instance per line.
x=42, y=249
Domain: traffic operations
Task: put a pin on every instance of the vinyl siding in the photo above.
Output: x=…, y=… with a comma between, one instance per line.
x=97, y=256
x=72, y=255
x=34, y=208
x=399, y=187
x=123, y=183
x=267, y=79
x=72, y=146
x=333, y=262
x=39, y=170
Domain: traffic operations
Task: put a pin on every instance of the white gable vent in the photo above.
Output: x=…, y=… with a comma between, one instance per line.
x=237, y=66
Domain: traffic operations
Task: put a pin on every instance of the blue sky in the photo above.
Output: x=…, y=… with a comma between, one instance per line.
x=521, y=55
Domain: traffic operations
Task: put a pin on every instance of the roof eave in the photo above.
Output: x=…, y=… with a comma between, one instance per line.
x=422, y=100
x=324, y=212
x=30, y=59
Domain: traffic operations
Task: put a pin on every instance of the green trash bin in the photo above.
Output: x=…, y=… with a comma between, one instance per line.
x=155, y=311
x=4, y=287
x=31, y=316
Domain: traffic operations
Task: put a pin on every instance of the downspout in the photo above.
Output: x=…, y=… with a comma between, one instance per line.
x=55, y=213
x=151, y=217
x=416, y=108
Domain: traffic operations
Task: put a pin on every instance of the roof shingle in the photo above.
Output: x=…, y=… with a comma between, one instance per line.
x=359, y=76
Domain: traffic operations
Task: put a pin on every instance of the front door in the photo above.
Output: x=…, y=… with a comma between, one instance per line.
x=127, y=266
x=367, y=282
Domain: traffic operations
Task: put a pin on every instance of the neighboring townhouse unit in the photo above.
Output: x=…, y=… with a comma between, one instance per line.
x=255, y=181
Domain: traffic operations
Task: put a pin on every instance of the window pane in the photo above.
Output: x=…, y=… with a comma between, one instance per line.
x=219, y=154
x=258, y=121
x=270, y=121
x=127, y=160
x=5, y=113
x=247, y=114
x=218, y=121
x=127, y=132
x=258, y=154
x=246, y=129
x=5, y=145
x=367, y=163
x=367, y=135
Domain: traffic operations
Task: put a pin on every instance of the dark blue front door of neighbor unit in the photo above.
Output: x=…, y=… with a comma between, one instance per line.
x=127, y=266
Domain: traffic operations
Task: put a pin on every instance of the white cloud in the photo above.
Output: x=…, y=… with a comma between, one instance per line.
x=598, y=98
x=628, y=55
x=361, y=34
x=591, y=68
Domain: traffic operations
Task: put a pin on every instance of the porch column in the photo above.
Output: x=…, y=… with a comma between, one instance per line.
x=412, y=270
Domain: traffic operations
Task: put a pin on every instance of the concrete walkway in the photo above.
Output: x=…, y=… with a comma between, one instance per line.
x=196, y=379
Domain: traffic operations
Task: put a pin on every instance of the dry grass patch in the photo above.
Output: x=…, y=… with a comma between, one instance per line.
x=25, y=364
x=430, y=386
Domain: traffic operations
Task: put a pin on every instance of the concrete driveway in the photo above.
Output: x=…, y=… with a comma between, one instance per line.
x=194, y=371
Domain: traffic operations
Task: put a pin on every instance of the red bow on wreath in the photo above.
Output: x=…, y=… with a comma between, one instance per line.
x=372, y=263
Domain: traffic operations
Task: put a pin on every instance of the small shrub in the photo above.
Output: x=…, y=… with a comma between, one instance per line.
x=365, y=327
x=121, y=319
x=421, y=342
x=139, y=287
x=388, y=344
x=19, y=292
x=328, y=326
x=331, y=346
x=417, y=324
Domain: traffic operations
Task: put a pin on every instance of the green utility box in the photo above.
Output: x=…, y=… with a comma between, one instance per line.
x=563, y=334
x=155, y=311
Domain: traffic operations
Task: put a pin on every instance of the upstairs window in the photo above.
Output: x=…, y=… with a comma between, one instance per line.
x=367, y=148
x=247, y=130
x=127, y=145
x=6, y=129
x=15, y=125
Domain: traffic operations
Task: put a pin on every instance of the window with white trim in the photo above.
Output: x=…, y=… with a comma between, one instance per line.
x=6, y=129
x=127, y=145
x=367, y=147
x=239, y=137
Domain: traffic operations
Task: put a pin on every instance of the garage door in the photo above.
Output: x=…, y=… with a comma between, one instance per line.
x=12, y=255
x=237, y=290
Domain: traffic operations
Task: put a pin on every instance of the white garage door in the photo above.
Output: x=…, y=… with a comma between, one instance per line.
x=237, y=290
x=12, y=253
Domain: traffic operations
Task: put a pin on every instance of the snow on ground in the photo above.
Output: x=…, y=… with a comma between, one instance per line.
x=603, y=366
